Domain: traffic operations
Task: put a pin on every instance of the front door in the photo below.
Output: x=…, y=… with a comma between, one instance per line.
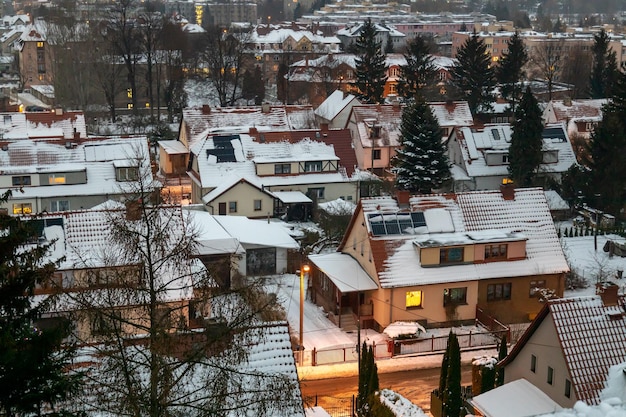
x=222, y=209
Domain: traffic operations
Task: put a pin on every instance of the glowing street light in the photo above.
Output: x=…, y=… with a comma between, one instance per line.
x=305, y=269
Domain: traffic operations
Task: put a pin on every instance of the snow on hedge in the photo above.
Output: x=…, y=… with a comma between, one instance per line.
x=399, y=405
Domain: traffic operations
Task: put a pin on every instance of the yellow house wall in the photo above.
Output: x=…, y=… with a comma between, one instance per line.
x=244, y=194
x=268, y=169
x=430, y=256
x=358, y=246
x=390, y=304
x=515, y=250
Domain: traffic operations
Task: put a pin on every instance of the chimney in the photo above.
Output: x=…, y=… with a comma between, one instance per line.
x=265, y=108
x=608, y=293
x=58, y=111
x=253, y=131
x=323, y=126
x=507, y=188
x=76, y=134
x=206, y=109
x=567, y=101
x=402, y=197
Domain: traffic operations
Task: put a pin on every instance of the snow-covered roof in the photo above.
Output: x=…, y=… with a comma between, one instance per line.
x=453, y=113
x=483, y=216
x=518, y=398
x=96, y=158
x=211, y=237
x=43, y=125
x=555, y=201
x=344, y=271
x=386, y=117
x=334, y=104
x=565, y=110
x=290, y=197
x=257, y=232
x=398, y=328
x=173, y=147
x=476, y=145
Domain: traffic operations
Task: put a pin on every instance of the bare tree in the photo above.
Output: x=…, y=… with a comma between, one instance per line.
x=576, y=71
x=546, y=61
x=151, y=286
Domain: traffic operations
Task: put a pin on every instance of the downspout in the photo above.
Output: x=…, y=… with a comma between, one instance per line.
x=391, y=306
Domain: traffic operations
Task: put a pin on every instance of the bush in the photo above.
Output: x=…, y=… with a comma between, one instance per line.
x=377, y=408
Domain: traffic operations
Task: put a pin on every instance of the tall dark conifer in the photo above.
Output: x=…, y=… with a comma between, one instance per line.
x=421, y=164
x=452, y=400
x=604, y=69
x=509, y=71
x=33, y=361
x=371, y=68
x=526, y=141
x=419, y=72
x=502, y=352
x=473, y=76
x=368, y=381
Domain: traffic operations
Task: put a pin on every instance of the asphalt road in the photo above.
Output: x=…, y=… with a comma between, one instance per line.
x=414, y=385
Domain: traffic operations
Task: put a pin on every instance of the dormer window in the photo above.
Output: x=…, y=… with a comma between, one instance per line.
x=127, y=174
x=495, y=252
x=450, y=255
x=313, y=166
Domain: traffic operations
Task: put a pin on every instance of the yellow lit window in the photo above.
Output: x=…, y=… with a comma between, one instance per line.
x=40, y=77
x=23, y=208
x=147, y=105
x=414, y=299
x=129, y=106
x=56, y=179
x=129, y=93
x=39, y=44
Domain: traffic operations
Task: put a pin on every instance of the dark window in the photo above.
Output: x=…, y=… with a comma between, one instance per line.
x=493, y=252
x=317, y=193
x=499, y=292
x=127, y=174
x=261, y=261
x=257, y=205
x=535, y=286
x=20, y=180
x=376, y=154
x=455, y=296
x=232, y=207
x=282, y=169
x=313, y=166
x=450, y=255
x=550, y=378
x=533, y=363
x=568, y=388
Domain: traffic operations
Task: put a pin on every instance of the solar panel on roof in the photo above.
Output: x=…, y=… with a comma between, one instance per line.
x=378, y=229
x=553, y=133
x=418, y=219
x=395, y=223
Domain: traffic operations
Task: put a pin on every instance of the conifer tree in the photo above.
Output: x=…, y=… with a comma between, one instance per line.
x=421, y=164
x=604, y=70
x=487, y=378
x=502, y=352
x=371, y=68
x=33, y=360
x=509, y=71
x=452, y=401
x=473, y=76
x=368, y=381
x=444, y=366
x=526, y=141
x=419, y=72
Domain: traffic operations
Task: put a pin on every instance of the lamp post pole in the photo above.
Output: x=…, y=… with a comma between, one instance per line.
x=305, y=268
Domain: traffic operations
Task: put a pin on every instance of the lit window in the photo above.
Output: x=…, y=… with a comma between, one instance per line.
x=414, y=299
x=257, y=205
x=147, y=105
x=455, y=296
x=232, y=207
x=129, y=93
x=129, y=106
x=56, y=179
x=39, y=44
x=22, y=208
x=499, y=292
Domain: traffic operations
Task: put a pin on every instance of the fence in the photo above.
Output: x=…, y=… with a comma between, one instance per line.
x=335, y=406
x=340, y=354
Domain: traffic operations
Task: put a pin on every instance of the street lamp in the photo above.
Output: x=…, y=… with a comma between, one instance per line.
x=305, y=269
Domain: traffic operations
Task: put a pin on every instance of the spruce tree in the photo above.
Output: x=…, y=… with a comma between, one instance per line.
x=419, y=73
x=502, y=352
x=368, y=381
x=33, y=360
x=371, y=69
x=604, y=69
x=452, y=400
x=473, y=76
x=526, y=141
x=509, y=71
x=421, y=164
x=487, y=378
x=444, y=366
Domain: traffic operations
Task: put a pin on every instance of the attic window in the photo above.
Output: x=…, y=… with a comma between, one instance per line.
x=395, y=223
x=496, y=134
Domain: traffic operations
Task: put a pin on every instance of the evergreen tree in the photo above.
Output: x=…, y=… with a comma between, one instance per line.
x=473, y=76
x=421, y=164
x=509, y=71
x=371, y=68
x=487, y=378
x=368, y=381
x=604, y=69
x=444, y=366
x=419, y=71
x=526, y=141
x=502, y=352
x=452, y=401
x=33, y=360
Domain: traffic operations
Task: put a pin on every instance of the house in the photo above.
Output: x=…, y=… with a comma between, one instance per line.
x=569, y=347
x=375, y=130
x=334, y=111
x=437, y=259
x=51, y=177
x=386, y=35
x=451, y=114
x=35, y=55
x=480, y=156
x=234, y=175
x=580, y=118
